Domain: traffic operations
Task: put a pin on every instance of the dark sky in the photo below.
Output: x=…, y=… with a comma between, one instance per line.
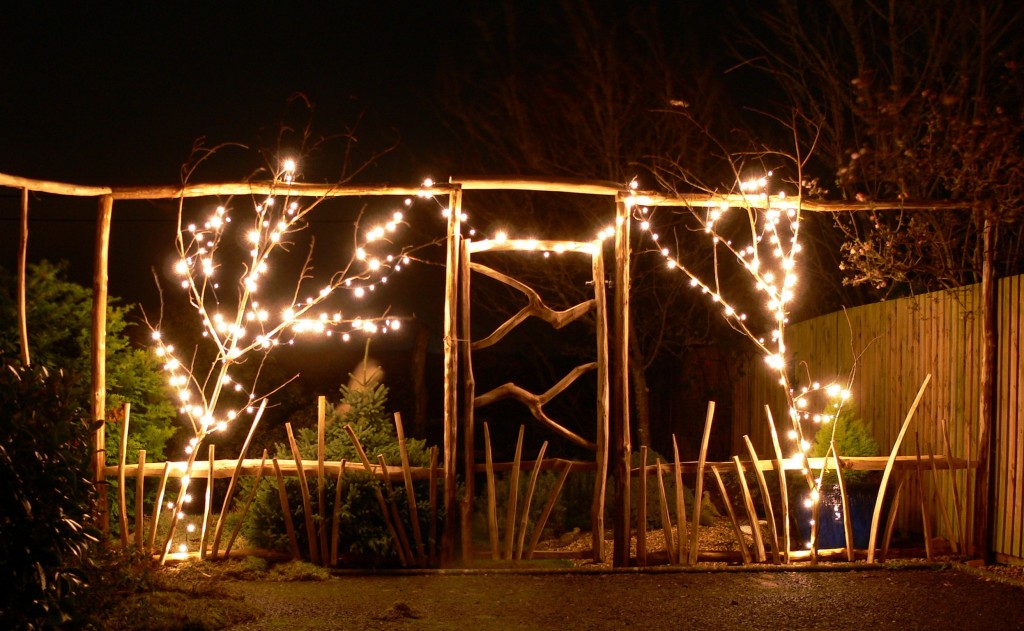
x=117, y=94
x=95, y=93
x=103, y=95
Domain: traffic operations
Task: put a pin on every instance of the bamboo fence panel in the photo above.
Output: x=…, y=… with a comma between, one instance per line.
x=895, y=344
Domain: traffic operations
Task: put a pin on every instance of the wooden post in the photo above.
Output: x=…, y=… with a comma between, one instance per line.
x=99, y=352
x=621, y=445
x=987, y=405
x=122, y=454
x=698, y=493
x=603, y=405
x=23, y=280
x=451, y=373
x=469, y=392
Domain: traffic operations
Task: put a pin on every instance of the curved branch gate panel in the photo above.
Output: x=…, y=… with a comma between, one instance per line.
x=589, y=254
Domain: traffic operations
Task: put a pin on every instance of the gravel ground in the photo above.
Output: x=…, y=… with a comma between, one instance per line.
x=899, y=596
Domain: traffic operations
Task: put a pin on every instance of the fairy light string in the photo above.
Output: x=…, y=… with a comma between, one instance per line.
x=212, y=399
x=769, y=258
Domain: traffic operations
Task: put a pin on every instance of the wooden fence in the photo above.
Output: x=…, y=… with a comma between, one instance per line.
x=888, y=348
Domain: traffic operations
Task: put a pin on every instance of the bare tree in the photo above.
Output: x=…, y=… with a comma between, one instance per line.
x=912, y=101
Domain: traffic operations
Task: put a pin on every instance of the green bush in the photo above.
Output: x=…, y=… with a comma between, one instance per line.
x=363, y=533
x=46, y=497
x=852, y=438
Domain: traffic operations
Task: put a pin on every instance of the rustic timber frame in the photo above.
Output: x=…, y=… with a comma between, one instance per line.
x=618, y=445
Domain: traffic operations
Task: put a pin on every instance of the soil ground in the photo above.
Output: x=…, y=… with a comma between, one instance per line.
x=841, y=597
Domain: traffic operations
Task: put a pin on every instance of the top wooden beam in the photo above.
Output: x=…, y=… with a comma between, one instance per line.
x=548, y=185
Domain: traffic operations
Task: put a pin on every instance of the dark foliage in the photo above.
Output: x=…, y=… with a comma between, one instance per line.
x=45, y=497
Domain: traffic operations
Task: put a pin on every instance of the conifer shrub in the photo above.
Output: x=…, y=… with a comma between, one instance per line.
x=363, y=535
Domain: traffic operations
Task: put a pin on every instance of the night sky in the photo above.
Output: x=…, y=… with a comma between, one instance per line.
x=101, y=94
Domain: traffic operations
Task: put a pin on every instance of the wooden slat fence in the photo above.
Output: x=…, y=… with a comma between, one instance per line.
x=889, y=347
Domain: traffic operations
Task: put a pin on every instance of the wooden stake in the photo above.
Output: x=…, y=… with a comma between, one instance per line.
x=769, y=510
x=321, y=478
x=925, y=517
x=157, y=506
x=888, y=471
x=23, y=280
x=286, y=511
x=621, y=447
x=245, y=506
x=513, y=497
x=956, y=488
x=410, y=492
x=336, y=514
x=780, y=469
x=432, y=548
x=891, y=522
x=845, y=499
x=684, y=542
x=396, y=517
x=207, y=504
x=937, y=499
x=641, y=510
x=699, y=486
x=140, y=488
x=234, y=478
x=399, y=548
x=748, y=502
x=307, y=503
x=543, y=520
x=451, y=372
x=492, y=499
x=603, y=408
x=744, y=550
x=666, y=519
x=99, y=355
x=122, y=454
x=525, y=520
x=469, y=408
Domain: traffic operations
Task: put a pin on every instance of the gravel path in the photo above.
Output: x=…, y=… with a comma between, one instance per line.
x=918, y=598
